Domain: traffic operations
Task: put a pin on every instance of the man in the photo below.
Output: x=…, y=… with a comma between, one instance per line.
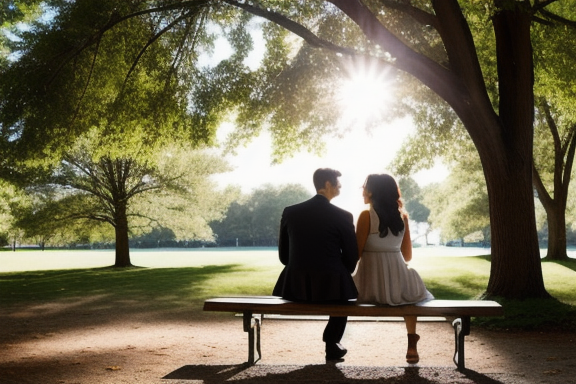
x=318, y=247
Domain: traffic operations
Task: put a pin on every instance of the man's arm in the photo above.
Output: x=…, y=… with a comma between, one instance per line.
x=349, y=244
x=283, y=241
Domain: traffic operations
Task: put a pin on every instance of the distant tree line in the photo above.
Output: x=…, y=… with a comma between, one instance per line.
x=456, y=207
x=254, y=219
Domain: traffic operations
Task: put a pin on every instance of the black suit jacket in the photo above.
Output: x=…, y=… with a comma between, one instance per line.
x=318, y=247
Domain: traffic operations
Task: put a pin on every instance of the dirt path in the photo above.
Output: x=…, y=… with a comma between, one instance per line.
x=75, y=343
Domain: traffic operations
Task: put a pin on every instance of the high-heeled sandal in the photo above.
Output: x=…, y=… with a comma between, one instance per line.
x=412, y=352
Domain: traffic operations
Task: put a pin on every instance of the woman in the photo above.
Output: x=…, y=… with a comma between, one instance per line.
x=385, y=248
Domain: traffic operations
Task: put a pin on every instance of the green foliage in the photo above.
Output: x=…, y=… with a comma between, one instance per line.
x=94, y=108
x=12, y=199
x=101, y=182
x=412, y=197
x=439, y=134
x=255, y=219
x=14, y=11
x=555, y=118
x=38, y=217
x=83, y=70
x=459, y=204
x=188, y=199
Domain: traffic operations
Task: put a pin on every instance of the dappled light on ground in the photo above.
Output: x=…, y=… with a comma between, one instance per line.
x=170, y=348
x=146, y=325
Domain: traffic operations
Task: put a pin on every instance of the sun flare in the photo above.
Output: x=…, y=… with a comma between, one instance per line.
x=364, y=94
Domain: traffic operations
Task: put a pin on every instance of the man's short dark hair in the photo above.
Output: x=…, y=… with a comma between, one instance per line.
x=322, y=175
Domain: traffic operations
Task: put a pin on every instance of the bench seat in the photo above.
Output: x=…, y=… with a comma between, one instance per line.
x=254, y=309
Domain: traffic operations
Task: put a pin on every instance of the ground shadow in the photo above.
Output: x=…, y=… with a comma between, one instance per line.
x=66, y=300
x=570, y=263
x=326, y=373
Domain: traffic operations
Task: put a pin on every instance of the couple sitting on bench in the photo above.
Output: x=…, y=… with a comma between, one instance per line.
x=321, y=250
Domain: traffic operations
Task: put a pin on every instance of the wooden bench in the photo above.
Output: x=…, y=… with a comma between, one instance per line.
x=253, y=309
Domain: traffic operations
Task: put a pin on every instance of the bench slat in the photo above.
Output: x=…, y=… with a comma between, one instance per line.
x=276, y=305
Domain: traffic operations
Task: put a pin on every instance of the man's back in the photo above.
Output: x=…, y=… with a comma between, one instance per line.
x=318, y=246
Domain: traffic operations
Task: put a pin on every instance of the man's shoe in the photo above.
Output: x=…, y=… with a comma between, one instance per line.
x=335, y=351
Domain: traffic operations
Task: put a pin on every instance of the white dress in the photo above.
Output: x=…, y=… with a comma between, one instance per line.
x=382, y=276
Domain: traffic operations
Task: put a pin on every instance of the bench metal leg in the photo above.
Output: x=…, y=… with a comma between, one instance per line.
x=252, y=326
x=461, y=330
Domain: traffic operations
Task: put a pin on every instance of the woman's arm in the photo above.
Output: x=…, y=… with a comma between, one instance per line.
x=406, y=246
x=362, y=231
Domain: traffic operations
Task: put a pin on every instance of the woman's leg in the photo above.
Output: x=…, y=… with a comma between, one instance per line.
x=410, y=324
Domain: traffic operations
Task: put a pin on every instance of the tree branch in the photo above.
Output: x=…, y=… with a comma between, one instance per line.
x=552, y=126
x=561, y=20
x=570, y=156
x=90, y=73
x=543, y=194
x=115, y=20
x=541, y=4
x=422, y=17
x=293, y=27
x=150, y=42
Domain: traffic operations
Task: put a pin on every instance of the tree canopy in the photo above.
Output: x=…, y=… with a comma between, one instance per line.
x=434, y=43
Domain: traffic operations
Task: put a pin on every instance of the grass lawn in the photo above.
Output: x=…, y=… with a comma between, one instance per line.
x=171, y=279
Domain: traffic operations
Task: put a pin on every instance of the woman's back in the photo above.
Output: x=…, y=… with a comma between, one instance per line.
x=382, y=275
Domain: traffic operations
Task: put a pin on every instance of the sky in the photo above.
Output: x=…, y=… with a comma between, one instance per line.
x=356, y=155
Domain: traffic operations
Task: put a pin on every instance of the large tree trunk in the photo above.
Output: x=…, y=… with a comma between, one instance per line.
x=122, y=245
x=516, y=271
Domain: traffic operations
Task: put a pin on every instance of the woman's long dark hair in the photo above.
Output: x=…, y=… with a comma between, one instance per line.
x=387, y=202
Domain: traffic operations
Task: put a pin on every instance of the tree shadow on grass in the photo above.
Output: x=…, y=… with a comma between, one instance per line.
x=174, y=284
x=326, y=373
x=67, y=299
x=570, y=264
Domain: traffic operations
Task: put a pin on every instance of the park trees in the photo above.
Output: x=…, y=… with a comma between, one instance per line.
x=114, y=140
x=10, y=197
x=36, y=216
x=253, y=219
x=133, y=194
x=130, y=193
x=413, y=203
x=440, y=133
x=459, y=204
x=555, y=137
x=431, y=41
x=555, y=124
